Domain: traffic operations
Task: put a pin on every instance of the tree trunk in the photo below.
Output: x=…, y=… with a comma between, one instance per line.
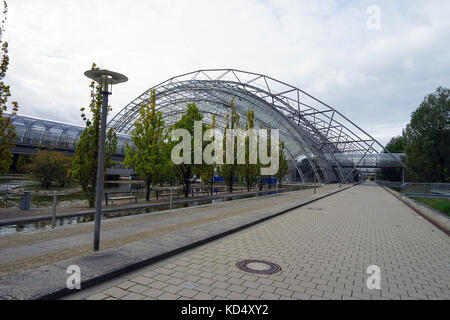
x=212, y=184
x=93, y=189
x=442, y=164
x=147, y=193
x=187, y=184
x=230, y=185
x=92, y=198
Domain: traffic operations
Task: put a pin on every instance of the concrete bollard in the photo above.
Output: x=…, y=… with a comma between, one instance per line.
x=25, y=201
x=170, y=206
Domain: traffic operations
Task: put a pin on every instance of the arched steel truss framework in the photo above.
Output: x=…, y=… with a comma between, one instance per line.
x=314, y=132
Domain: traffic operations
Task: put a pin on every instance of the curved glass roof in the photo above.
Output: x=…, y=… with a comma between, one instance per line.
x=310, y=128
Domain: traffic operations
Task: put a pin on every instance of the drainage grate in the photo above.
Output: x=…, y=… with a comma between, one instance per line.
x=258, y=266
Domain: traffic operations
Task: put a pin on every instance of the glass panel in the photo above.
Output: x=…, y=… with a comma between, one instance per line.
x=20, y=130
x=51, y=137
x=36, y=134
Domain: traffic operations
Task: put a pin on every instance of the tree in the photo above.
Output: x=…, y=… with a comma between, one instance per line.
x=48, y=167
x=62, y=170
x=428, y=138
x=229, y=169
x=269, y=152
x=7, y=133
x=207, y=170
x=21, y=163
x=85, y=161
x=149, y=156
x=185, y=171
x=283, y=168
x=249, y=172
x=395, y=145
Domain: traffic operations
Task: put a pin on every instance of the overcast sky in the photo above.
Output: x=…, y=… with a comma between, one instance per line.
x=376, y=77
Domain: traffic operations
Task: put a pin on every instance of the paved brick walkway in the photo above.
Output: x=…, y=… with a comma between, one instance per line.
x=23, y=251
x=324, y=250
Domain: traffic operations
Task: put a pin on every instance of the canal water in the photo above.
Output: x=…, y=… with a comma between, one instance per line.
x=12, y=200
x=47, y=224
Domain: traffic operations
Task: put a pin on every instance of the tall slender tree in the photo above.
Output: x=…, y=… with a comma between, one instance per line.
x=207, y=171
x=269, y=153
x=283, y=168
x=186, y=171
x=260, y=178
x=85, y=161
x=229, y=169
x=7, y=132
x=149, y=155
x=248, y=171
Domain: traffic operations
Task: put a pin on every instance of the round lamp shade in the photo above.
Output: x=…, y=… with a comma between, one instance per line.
x=100, y=75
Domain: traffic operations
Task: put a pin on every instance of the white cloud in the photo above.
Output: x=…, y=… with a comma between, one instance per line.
x=376, y=78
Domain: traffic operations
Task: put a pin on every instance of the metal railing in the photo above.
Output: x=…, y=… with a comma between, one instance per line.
x=396, y=184
x=412, y=187
x=415, y=189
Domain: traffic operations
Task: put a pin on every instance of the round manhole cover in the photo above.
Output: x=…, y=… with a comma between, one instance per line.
x=258, y=266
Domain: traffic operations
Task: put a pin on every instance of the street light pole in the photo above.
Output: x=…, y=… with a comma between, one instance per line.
x=101, y=166
x=106, y=79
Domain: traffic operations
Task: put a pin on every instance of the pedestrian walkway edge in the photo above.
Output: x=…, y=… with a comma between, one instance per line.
x=438, y=219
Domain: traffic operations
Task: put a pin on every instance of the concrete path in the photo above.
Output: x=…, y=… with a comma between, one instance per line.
x=323, y=248
x=34, y=265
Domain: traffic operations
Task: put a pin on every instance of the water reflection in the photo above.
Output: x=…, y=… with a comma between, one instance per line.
x=47, y=224
x=11, y=200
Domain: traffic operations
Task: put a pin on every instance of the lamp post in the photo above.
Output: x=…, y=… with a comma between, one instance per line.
x=105, y=79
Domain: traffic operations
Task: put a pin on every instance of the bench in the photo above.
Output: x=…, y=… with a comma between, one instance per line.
x=195, y=191
x=119, y=197
x=205, y=190
x=166, y=193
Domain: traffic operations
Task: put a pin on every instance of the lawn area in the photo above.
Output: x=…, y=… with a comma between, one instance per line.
x=443, y=205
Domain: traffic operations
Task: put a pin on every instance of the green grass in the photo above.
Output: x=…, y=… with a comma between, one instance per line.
x=443, y=205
